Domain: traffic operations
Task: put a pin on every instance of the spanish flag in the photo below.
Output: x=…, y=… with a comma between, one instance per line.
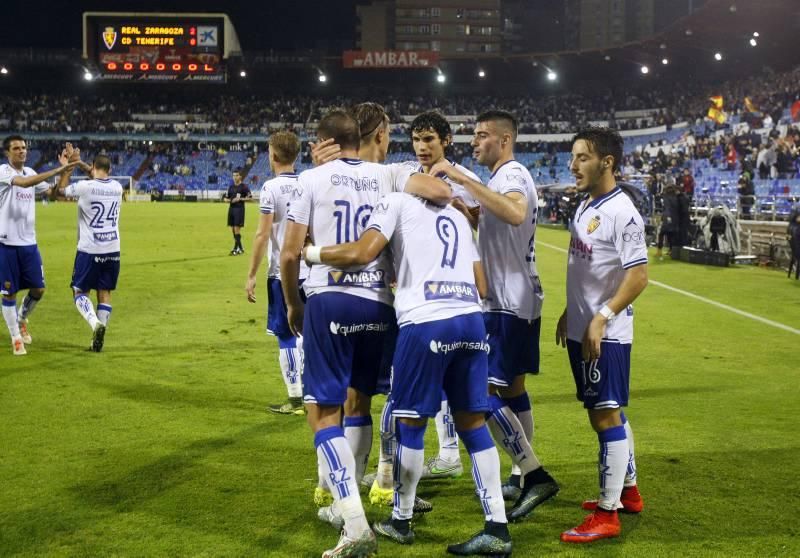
x=718, y=101
x=716, y=115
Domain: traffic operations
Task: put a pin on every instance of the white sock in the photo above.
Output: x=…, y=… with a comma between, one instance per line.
x=408, y=466
x=521, y=406
x=446, y=430
x=507, y=432
x=612, y=464
x=291, y=362
x=333, y=452
x=27, y=306
x=630, y=473
x=322, y=481
x=86, y=308
x=103, y=313
x=10, y=316
x=385, y=476
x=358, y=431
x=486, y=472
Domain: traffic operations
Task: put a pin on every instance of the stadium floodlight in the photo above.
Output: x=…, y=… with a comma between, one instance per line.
x=441, y=78
x=4, y=70
x=644, y=69
x=665, y=61
x=243, y=74
x=551, y=75
x=607, y=57
x=717, y=56
x=322, y=78
x=753, y=42
x=87, y=75
x=481, y=74
x=755, y=34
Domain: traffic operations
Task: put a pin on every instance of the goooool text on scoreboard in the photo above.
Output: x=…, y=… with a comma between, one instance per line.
x=159, y=50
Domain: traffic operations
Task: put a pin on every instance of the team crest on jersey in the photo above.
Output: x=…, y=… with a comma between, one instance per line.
x=593, y=224
x=109, y=37
x=370, y=279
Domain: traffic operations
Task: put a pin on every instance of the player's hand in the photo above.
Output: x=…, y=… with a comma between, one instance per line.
x=250, y=289
x=459, y=204
x=294, y=315
x=561, y=330
x=324, y=151
x=592, y=337
x=63, y=159
x=445, y=168
x=74, y=153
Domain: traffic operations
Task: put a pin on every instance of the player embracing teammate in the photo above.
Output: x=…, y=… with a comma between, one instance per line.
x=349, y=330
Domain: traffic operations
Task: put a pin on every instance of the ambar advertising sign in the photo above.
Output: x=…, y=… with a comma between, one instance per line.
x=390, y=58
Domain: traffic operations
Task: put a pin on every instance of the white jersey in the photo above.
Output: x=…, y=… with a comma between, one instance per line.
x=507, y=251
x=276, y=196
x=99, y=202
x=433, y=252
x=458, y=190
x=18, y=207
x=336, y=201
x=607, y=238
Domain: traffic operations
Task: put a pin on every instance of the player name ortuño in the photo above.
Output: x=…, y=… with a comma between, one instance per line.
x=356, y=183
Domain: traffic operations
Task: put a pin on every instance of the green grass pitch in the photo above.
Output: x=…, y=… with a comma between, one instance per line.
x=161, y=445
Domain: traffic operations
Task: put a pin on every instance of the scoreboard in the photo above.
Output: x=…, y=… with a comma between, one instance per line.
x=156, y=47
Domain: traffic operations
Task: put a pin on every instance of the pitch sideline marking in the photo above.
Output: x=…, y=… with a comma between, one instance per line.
x=703, y=299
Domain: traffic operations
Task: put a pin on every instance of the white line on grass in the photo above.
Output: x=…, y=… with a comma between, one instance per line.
x=703, y=299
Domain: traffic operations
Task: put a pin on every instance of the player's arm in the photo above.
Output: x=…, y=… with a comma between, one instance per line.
x=291, y=250
x=471, y=213
x=561, y=329
x=429, y=187
x=633, y=283
x=257, y=252
x=31, y=181
x=360, y=252
x=63, y=179
x=510, y=208
x=480, y=279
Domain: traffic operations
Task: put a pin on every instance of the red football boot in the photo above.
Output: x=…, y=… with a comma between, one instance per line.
x=630, y=501
x=601, y=524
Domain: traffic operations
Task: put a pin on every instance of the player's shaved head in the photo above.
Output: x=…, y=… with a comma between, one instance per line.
x=342, y=127
x=285, y=147
x=504, y=120
x=102, y=163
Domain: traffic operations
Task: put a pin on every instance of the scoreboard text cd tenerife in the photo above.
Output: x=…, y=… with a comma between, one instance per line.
x=156, y=48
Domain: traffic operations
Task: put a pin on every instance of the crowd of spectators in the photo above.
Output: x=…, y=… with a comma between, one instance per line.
x=123, y=110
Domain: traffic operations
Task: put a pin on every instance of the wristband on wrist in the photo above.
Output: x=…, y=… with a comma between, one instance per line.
x=313, y=254
x=606, y=312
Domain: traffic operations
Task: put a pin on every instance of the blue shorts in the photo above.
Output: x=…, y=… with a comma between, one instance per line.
x=447, y=354
x=348, y=342
x=95, y=271
x=277, y=322
x=514, y=346
x=20, y=268
x=602, y=383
